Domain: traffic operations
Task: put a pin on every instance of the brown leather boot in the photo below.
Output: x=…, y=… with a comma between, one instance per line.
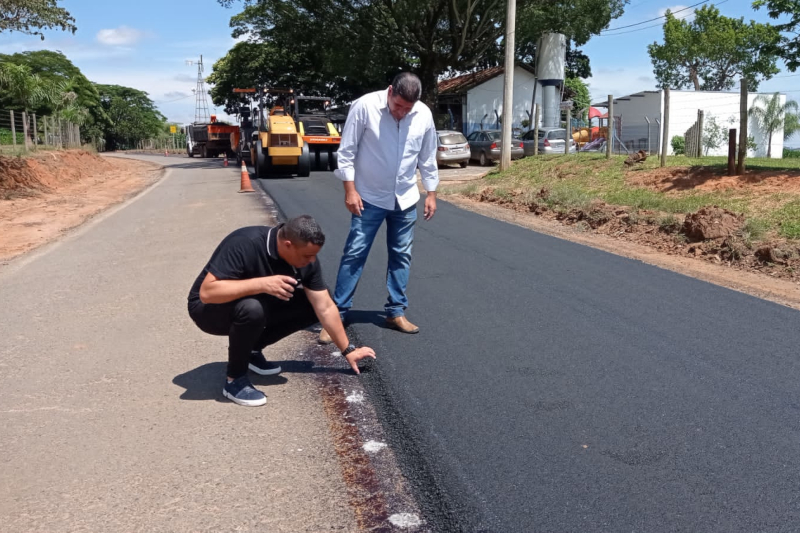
x=324, y=337
x=401, y=323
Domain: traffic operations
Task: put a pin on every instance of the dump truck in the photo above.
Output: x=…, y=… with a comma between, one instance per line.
x=314, y=122
x=276, y=147
x=210, y=139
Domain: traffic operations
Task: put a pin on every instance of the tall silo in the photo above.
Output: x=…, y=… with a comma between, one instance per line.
x=551, y=54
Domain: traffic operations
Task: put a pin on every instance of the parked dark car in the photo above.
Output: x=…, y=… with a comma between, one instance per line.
x=484, y=146
x=453, y=148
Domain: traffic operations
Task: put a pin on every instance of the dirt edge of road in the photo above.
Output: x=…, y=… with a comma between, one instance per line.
x=47, y=194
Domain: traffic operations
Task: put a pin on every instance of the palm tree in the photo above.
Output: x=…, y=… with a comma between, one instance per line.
x=771, y=116
x=26, y=89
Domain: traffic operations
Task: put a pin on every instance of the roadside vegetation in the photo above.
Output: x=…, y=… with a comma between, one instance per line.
x=562, y=184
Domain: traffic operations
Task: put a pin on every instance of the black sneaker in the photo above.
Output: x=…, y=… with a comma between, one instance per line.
x=260, y=365
x=241, y=391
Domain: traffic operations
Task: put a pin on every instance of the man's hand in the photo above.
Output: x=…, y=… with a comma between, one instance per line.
x=430, y=205
x=281, y=287
x=357, y=355
x=353, y=202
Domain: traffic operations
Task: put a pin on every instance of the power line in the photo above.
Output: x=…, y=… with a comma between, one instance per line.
x=642, y=29
x=175, y=100
x=662, y=16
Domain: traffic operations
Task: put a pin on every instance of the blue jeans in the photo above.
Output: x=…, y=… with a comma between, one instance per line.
x=399, y=238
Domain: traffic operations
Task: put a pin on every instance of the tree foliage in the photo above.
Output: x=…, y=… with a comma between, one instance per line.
x=575, y=89
x=359, y=45
x=33, y=16
x=770, y=116
x=712, y=52
x=66, y=91
x=789, y=46
x=21, y=86
x=133, y=116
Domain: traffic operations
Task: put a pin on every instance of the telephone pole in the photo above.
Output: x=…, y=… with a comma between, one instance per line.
x=508, y=86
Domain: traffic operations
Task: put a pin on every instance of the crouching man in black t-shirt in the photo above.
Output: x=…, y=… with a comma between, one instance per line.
x=261, y=285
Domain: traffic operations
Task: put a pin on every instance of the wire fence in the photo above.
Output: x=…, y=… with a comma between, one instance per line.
x=24, y=132
x=174, y=143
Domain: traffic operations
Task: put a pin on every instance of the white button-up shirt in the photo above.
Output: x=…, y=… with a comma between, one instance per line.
x=382, y=154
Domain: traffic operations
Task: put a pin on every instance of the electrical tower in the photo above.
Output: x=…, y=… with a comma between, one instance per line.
x=201, y=104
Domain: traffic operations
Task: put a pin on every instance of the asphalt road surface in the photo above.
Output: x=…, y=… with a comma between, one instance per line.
x=555, y=387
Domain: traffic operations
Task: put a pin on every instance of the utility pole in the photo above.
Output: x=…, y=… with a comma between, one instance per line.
x=665, y=127
x=610, y=125
x=508, y=86
x=740, y=166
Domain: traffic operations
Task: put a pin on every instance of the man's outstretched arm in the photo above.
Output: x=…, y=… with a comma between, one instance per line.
x=329, y=317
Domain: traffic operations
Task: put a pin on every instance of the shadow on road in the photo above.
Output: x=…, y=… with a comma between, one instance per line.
x=377, y=318
x=205, y=382
x=192, y=165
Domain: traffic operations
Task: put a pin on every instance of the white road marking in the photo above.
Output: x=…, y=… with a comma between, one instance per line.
x=373, y=446
x=355, y=397
x=405, y=520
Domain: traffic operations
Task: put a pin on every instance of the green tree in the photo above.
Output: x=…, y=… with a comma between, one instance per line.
x=133, y=116
x=770, y=115
x=22, y=87
x=575, y=89
x=678, y=143
x=712, y=52
x=61, y=76
x=33, y=16
x=278, y=51
x=789, y=46
x=791, y=125
x=360, y=44
x=714, y=133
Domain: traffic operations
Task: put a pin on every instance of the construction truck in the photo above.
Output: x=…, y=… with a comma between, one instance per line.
x=276, y=147
x=210, y=139
x=247, y=115
x=314, y=122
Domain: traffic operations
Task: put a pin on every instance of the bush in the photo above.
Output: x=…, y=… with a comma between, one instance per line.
x=791, y=153
x=7, y=138
x=678, y=145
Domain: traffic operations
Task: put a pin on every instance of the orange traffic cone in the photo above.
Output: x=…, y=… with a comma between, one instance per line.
x=225, y=161
x=166, y=153
x=246, y=186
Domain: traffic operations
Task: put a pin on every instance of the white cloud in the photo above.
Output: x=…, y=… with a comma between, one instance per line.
x=172, y=95
x=73, y=49
x=122, y=36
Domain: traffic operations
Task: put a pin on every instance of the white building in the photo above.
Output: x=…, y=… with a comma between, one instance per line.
x=469, y=101
x=631, y=115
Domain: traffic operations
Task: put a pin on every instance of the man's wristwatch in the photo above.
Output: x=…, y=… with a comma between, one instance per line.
x=350, y=349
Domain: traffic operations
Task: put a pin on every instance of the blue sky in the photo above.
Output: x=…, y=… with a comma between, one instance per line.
x=145, y=45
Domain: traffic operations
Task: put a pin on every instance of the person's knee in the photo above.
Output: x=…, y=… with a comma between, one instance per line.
x=249, y=311
x=356, y=249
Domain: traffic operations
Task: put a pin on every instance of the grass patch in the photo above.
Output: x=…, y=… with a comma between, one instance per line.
x=575, y=181
x=787, y=218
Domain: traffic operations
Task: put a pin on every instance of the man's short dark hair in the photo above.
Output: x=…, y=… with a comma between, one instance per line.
x=407, y=86
x=302, y=230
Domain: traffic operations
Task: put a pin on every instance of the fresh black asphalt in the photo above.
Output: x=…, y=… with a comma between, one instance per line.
x=555, y=387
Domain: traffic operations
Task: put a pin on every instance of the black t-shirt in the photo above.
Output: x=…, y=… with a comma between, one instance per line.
x=252, y=252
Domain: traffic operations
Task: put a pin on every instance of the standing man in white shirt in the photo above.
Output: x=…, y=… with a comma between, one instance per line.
x=387, y=136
